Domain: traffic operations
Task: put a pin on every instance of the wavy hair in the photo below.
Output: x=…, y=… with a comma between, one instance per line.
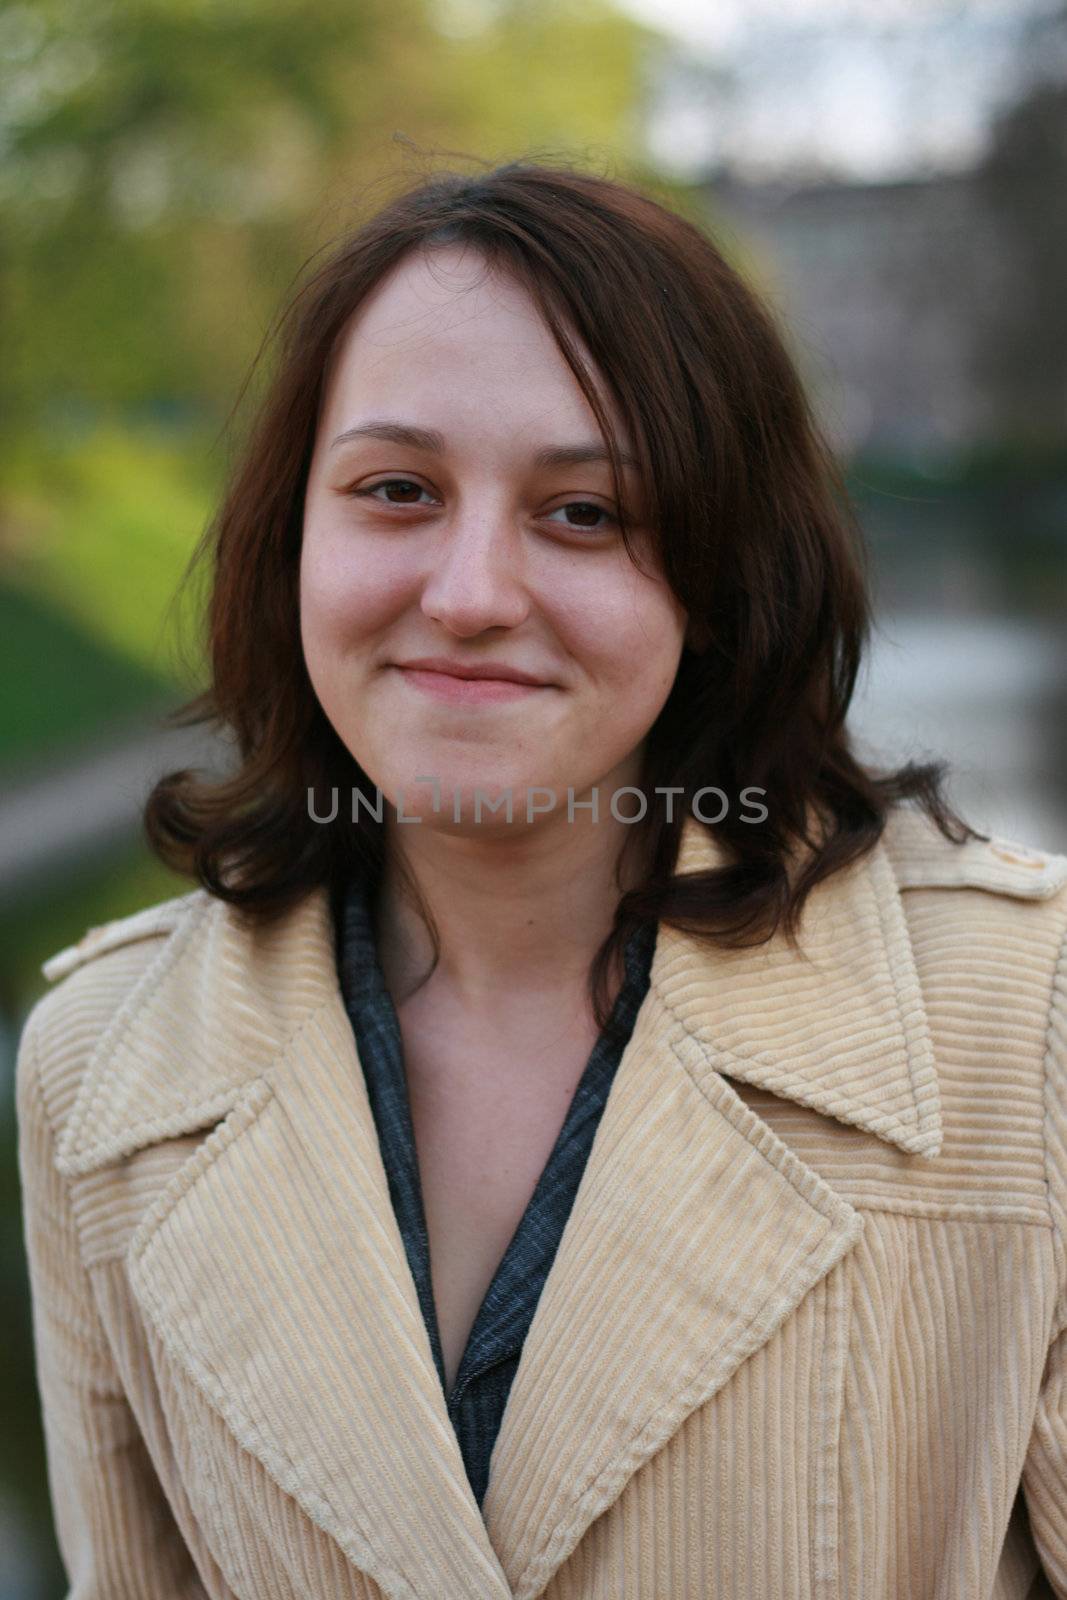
x=754, y=531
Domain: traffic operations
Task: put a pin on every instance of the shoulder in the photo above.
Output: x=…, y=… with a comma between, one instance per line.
x=987, y=924
x=923, y=858
x=986, y=929
x=986, y=918
x=93, y=982
x=157, y=1021
x=150, y=923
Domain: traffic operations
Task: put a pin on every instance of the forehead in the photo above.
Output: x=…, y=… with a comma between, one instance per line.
x=430, y=290
x=446, y=329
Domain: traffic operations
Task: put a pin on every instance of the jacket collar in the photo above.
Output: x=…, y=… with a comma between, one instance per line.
x=272, y=1270
x=837, y=1024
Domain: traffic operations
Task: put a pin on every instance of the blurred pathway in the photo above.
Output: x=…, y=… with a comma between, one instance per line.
x=987, y=693
x=91, y=801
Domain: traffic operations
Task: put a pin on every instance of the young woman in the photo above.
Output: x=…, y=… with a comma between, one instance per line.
x=585, y=1134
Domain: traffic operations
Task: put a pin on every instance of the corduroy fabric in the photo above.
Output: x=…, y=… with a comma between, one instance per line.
x=490, y=1360
x=804, y=1336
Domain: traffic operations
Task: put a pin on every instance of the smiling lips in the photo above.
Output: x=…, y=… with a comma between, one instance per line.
x=498, y=670
x=467, y=683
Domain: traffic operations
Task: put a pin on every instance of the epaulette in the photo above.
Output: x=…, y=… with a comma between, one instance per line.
x=148, y=923
x=923, y=858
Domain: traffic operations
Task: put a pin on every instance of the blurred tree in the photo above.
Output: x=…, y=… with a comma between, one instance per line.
x=168, y=164
x=157, y=153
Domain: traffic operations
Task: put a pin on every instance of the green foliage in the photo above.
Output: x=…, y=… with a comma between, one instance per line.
x=76, y=684
x=172, y=163
x=146, y=144
x=101, y=528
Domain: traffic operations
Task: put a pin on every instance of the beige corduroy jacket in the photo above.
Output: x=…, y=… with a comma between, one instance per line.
x=805, y=1337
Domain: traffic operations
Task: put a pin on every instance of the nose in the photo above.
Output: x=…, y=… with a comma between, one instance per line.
x=476, y=578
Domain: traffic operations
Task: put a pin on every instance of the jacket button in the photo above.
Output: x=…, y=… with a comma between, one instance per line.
x=1017, y=860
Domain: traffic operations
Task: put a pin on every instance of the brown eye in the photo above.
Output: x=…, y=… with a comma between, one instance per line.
x=587, y=510
x=406, y=485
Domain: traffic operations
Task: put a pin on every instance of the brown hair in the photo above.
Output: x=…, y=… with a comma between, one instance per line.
x=755, y=534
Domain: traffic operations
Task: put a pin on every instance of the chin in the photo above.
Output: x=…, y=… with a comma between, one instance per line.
x=462, y=790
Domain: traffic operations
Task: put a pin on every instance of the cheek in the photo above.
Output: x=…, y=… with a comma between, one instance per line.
x=633, y=640
x=344, y=598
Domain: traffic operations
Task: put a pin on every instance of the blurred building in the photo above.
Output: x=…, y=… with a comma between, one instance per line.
x=926, y=310
x=884, y=290
x=925, y=315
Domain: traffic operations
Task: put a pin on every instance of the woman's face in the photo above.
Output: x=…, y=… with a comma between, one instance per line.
x=435, y=530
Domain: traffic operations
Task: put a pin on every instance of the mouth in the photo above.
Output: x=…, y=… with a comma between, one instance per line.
x=448, y=686
x=453, y=667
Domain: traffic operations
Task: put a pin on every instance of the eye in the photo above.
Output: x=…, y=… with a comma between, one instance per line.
x=405, y=492
x=406, y=485
x=587, y=507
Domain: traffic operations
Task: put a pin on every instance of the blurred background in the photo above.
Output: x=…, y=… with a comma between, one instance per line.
x=890, y=174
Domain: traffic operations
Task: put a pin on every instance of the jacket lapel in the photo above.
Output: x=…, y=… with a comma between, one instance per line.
x=273, y=1272
x=696, y=1231
x=271, y=1267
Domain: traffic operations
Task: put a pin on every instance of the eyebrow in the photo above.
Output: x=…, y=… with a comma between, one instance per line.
x=429, y=439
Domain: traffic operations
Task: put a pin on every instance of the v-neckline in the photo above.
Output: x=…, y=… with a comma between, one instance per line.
x=503, y=1317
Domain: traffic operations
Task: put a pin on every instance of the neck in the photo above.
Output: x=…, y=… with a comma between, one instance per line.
x=517, y=912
